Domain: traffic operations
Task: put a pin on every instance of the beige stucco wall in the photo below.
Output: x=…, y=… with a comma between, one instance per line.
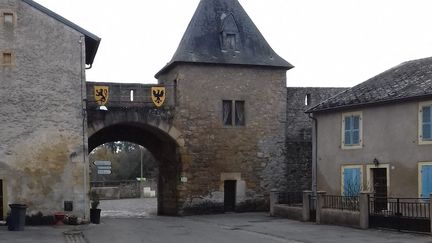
x=41, y=116
x=390, y=134
x=253, y=155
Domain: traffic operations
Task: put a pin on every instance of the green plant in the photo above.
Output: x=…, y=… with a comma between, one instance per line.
x=94, y=198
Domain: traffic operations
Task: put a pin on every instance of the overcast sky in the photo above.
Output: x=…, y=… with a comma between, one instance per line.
x=331, y=43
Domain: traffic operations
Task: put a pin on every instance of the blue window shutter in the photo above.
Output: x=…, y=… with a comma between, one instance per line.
x=348, y=128
x=352, y=181
x=426, y=114
x=356, y=122
x=356, y=137
x=427, y=123
x=347, y=138
x=426, y=177
x=427, y=132
x=347, y=123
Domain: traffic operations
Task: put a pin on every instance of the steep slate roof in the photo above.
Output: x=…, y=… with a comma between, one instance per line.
x=408, y=81
x=202, y=41
x=91, y=40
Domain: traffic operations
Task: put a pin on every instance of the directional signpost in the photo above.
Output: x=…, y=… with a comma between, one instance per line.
x=103, y=167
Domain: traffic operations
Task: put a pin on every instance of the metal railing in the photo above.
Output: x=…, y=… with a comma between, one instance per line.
x=290, y=198
x=341, y=202
x=401, y=207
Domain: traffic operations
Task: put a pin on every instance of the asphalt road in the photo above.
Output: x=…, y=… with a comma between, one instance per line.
x=135, y=221
x=236, y=228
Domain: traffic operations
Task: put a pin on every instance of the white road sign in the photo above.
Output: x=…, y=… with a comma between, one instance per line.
x=102, y=163
x=104, y=172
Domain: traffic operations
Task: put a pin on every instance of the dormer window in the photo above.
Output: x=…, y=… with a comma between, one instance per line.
x=230, y=42
x=229, y=33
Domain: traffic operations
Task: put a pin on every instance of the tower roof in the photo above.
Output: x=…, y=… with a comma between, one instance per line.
x=221, y=32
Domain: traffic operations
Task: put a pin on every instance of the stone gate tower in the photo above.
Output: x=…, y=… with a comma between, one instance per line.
x=230, y=104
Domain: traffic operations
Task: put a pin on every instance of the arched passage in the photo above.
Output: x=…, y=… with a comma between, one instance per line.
x=163, y=147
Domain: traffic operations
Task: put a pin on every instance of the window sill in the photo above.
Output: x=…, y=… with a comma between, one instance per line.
x=351, y=147
x=425, y=142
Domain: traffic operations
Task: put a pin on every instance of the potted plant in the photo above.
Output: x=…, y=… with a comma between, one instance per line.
x=94, y=210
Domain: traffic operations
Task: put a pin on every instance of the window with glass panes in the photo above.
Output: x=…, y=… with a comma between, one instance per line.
x=233, y=112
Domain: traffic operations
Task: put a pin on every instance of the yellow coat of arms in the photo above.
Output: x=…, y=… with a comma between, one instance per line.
x=101, y=94
x=158, y=95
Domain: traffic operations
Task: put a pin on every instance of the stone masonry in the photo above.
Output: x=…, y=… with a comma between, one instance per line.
x=299, y=134
x=42, y=138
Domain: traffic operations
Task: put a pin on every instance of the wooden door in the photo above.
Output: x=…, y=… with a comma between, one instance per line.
x=230, y=195
x=380, y=188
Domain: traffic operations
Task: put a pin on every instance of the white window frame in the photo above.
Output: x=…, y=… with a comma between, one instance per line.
x=420, y=123
x=342, y=183
x=420, y=184
x=369, y=178
x=356, y=146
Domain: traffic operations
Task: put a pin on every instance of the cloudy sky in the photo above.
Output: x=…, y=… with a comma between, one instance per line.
x=331, y=43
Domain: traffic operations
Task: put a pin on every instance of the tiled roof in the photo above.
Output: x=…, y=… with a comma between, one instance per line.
x=407, y=81
x=203, y=39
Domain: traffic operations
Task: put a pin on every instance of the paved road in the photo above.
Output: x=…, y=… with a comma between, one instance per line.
x=236, y=228
x=225, y=228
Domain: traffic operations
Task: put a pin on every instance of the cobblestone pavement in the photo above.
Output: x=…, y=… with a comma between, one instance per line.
x=126, y=208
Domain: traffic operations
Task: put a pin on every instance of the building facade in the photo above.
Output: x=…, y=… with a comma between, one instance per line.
x=42, y=87
x=231, y=108
x=376, y=136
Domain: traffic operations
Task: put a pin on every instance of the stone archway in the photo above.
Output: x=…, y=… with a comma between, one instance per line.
x=160, y=143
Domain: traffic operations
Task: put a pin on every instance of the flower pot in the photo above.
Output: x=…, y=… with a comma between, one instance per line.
x=95, y=215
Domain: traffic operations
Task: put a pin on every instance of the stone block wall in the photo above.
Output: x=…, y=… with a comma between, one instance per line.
x=299, y=134
x=42, y=134
x=253, y=154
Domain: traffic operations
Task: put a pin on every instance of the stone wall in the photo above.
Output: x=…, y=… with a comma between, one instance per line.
x=253, y=154
x=42, y=142
x=299, y=134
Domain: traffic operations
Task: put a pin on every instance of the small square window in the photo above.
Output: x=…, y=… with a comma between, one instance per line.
x=8, y=18
x=7, y=58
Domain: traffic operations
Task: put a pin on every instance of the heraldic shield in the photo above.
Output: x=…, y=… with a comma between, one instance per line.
x=101, y=94
x=158, y=95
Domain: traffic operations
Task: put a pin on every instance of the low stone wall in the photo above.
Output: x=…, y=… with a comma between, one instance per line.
x=130, y=190
x=290, y=212
x=340, y=217
x=105, y=193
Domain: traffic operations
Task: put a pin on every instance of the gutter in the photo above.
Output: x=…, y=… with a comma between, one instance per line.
x=370, y=104
x=314, y=153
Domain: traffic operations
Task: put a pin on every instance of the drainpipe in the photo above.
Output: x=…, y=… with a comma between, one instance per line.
x=314, y=153
x=84, y=106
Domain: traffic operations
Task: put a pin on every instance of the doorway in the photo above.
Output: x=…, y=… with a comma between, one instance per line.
x=230, y=195
x=379, y=180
